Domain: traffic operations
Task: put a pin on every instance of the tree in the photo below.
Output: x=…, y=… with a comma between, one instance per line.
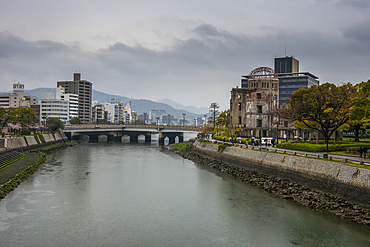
x=75, y=120
x=4, y=117
x=213, y=110
x=224, y=118
x=360, y=112
x=54, y=123
x=324, y=108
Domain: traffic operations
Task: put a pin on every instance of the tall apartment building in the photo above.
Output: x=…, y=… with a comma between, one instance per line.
x=83, y=89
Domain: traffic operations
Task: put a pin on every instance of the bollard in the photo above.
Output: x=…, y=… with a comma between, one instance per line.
x=294, y=153
x=284, y=152
x=344, y=160
x=330, y=157
x=317, y=156
x=305, y=155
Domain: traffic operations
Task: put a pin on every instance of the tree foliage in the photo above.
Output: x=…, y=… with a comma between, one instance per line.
x=224, y=118
x=22, y=116
x=75, y=120
x=360, y=112
x=324, y=108
x=54, y=123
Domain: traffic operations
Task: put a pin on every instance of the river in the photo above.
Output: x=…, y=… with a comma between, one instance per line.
x=114, y=194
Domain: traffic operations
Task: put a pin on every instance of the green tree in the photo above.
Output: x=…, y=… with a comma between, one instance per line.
x=360, y=112
x=75, y=120
x=54, y=123
x=4, y=117
x=324, y=108
x=27, y=116
x=224, y=118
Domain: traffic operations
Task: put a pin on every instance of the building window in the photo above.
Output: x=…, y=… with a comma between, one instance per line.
x=259, y=96
x=259, y=122
x=286, y=124
x=240, y=106
x=259, y=108
x=240, y=120
x=239, y=96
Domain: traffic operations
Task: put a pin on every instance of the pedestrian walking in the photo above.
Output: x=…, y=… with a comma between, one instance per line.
x=361, y=151
x=365, y=151
x=273, y=142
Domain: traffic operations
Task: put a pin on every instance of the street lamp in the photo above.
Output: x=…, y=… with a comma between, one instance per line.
x=183, y=119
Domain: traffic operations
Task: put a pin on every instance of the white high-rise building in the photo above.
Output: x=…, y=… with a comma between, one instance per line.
x=112, y=110
x=72, y=100
x=56, y=108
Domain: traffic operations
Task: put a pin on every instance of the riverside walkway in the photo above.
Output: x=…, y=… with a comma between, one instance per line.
x=332, y=156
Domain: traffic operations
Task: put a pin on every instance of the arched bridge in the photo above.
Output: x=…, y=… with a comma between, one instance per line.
x=130, y=133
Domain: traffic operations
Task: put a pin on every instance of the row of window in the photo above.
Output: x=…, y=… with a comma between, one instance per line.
x=259, y=122
x=54, y=106
x=54, y=110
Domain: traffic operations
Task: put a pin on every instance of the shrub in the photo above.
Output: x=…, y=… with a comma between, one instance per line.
x=25, y=132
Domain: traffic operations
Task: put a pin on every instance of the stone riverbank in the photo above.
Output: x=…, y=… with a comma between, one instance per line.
x=289, y=186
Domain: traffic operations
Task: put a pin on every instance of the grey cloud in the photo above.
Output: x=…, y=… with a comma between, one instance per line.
x=207, y=30
x=360, y=4
x=215, y=60
x=11, y=45
x=359, y=32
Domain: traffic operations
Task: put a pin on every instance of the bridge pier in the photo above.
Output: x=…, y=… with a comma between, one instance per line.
x=171, y=137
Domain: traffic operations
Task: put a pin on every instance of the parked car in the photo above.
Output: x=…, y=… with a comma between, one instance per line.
x=266, y=140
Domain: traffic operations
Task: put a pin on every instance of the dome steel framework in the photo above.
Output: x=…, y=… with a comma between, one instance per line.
x=262, y=72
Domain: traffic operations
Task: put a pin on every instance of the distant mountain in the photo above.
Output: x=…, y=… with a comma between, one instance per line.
x=138, y=105
x=176, y=105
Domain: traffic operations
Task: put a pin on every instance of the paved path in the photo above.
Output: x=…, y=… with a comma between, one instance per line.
x=18, y=166
x=352, y=158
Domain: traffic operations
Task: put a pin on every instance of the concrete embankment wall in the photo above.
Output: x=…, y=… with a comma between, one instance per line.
x=20, y=142
x=332, y=177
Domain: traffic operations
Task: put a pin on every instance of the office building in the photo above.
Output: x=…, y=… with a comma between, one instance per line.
x=72, y=101
x=290, y=79
x=18, y=98
x=83, y=89
x=51, y=107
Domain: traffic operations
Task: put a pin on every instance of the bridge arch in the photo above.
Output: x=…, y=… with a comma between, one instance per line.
x=125, y=138
x=102, y=138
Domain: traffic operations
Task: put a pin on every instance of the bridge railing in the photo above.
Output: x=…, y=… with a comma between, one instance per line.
x=122, y=126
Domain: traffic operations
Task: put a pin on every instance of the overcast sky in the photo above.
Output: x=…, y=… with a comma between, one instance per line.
x=193, y=52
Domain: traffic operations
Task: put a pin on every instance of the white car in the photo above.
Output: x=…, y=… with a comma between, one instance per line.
x=266, y=140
